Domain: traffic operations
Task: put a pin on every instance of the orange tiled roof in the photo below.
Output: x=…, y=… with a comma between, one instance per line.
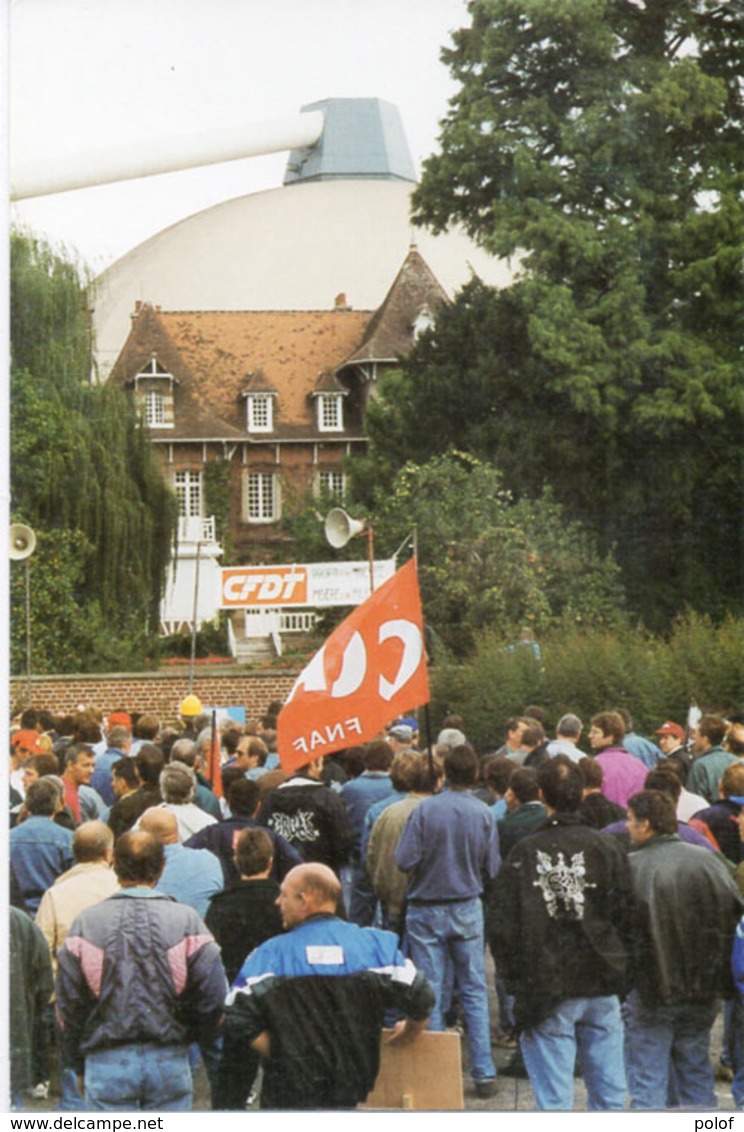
x=214, y=354
x=219, y=356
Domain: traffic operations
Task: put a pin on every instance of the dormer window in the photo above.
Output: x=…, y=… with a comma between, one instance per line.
x=330, y=412
x=423, y=322
x=260, y=410
x=153, y=393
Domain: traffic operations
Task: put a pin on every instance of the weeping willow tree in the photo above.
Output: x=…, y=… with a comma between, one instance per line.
x=84, y=476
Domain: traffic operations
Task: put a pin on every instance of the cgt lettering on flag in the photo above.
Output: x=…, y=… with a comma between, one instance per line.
x=354, y=664
x=372, y=668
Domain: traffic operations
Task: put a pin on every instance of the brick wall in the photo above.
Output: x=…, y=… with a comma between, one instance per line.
x=158, y=692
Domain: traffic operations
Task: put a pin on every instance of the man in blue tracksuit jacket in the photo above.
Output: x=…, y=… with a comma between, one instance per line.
x=312, y=1001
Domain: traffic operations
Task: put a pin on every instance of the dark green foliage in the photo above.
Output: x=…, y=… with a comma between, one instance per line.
x=217, y=486
x=69, y=632
x=303, y=518
x=211, y=640
x=588, y=670
x=84, y=476
x=600, y=144
x=484, y=557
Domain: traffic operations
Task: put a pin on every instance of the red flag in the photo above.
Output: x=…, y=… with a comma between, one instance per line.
x=213, y=770
x=371, y=668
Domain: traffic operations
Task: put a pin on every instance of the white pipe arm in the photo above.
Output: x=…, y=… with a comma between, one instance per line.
x=164, y=155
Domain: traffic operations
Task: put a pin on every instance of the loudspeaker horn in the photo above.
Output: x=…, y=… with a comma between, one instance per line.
x=340, y=527
x=22, y=541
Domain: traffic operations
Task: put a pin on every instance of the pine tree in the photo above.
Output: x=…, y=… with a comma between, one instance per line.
x=599, y=143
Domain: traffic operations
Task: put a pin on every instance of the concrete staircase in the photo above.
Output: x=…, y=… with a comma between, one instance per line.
x=257, y=636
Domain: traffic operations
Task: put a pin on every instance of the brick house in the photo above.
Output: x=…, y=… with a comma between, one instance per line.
x=275, y=397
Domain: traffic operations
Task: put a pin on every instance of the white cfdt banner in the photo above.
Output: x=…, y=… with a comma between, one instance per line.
x=316, y=585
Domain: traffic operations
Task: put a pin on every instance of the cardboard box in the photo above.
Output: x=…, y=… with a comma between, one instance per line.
x=425, y=1075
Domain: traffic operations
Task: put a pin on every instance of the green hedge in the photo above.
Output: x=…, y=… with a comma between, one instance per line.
x=590, y=670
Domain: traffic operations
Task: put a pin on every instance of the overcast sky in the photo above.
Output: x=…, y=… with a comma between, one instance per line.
x=107, y=72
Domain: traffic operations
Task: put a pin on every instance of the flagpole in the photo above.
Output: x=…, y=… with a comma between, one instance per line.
x=371, y=555
x=194, y=622
x=214, y=770
x=427, y=716
x=429, y=746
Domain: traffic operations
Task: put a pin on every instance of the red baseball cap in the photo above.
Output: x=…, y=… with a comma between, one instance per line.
x=120, y=718
x=27, y=740
x=670, y=728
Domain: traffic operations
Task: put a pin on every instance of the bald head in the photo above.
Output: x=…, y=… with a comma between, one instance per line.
x=161, y=824
x=93, y=841
x=138, y=859
x=308, y=890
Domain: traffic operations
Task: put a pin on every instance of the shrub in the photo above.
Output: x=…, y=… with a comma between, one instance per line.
x=590, y=670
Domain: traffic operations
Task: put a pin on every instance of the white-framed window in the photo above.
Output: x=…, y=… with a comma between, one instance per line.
x=330, y=412
x=154, y=408
x=423, y=322
x=260, y=412
x=334, y=483
x=261, y=497
x=189, y=494
x=153, y=387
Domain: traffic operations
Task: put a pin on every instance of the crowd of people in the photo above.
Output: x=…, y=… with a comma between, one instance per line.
x=176, y=897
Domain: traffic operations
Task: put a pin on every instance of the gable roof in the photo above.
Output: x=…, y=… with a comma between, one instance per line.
x=214, y=353
x=255, y=382
x=149, y=337
x=389, y=335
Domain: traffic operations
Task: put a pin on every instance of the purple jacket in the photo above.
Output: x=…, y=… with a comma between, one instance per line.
x=137, y=968
x=623, y=775
x=685, y=831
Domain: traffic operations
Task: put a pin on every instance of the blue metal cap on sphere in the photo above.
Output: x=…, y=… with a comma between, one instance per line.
x=362, y=137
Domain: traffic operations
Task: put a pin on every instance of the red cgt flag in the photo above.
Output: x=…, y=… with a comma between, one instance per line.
x=212, y=770
x=371, y=668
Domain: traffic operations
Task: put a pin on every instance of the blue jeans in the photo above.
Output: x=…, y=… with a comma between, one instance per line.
x=591, y=1028
x=139, y=1078
x=737, y=1051
x=70, y=1101
x=667, y=1055
x=346, y=876
x=445, y=942
x=506, y=1004
x=728, y=1039
x=363, y=902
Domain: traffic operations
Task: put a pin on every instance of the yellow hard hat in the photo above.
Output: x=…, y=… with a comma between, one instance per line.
x=191, y=705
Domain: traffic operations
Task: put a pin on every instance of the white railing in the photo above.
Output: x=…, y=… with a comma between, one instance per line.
x=196, y=528
x=298, y=621
x=264, y=622
x=170, y=628
x=232, y=643
x=276, y=640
